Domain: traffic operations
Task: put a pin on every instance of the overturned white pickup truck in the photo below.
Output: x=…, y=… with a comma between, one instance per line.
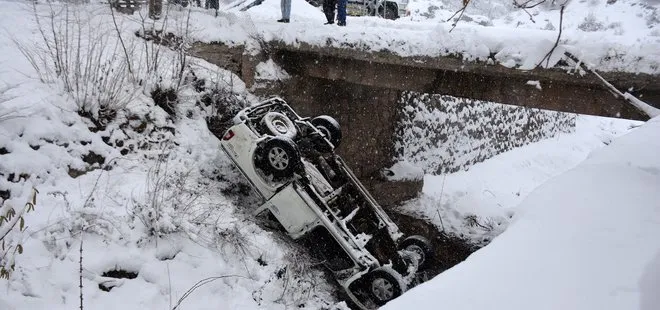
x=291, y=163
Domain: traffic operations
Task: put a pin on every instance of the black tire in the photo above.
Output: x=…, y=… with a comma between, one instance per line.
x=420, y=246
x=329, y=127
x=384, y=284
x=278, y=157
x=388, y=11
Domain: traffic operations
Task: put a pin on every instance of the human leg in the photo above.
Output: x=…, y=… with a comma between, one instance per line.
x=329, y=10
x=285, y=6
x=341, y=12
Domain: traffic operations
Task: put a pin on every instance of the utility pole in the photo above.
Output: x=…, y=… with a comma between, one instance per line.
x=155, y=9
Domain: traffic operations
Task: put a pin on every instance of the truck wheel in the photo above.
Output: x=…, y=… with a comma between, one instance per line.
x=388, y=11
x=385, y=284
x=329, y=127
x=278, y=157
x=418, y=245
x=279, y=125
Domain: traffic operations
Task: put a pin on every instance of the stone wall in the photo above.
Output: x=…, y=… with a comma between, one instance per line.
x=444, y=134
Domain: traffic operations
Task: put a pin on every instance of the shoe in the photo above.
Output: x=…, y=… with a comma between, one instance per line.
x=341, y=24
x=283, y=20
x=329, y=23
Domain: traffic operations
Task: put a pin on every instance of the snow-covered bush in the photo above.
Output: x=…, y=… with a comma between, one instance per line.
x=220, y=103
x=295, y=282
x=591, y=24
x=12, y=225
x=170, y=203
x=88, y=61
x=87, y=50
x=4, y=97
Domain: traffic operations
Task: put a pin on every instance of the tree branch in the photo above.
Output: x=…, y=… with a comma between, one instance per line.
x=549, y=54
x=460, y=14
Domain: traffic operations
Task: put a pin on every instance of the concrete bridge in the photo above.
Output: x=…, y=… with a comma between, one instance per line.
x=559, y=91
x=362, y=90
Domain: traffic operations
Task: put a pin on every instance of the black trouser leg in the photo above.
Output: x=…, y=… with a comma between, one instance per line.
x=329, y=10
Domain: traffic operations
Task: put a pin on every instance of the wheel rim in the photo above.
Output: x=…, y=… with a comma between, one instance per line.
x=278, y=158
x=417, y=250
x=382, y=288
x=280, y=126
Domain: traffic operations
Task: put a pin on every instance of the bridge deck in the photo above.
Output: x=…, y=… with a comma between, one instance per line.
x=559, y=90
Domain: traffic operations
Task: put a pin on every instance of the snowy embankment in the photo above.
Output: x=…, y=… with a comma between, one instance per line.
x=586, y=239
x=622, y=36
x=478, y=203
x=137, y=207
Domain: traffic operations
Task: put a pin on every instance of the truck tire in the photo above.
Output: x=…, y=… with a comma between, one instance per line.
x=278, y=157
x=388, y=10
x=329, y=127
x=420, y=246
x=384, y=284
x=279, y=125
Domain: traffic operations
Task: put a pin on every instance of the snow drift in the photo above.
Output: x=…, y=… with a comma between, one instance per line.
x=586, y=239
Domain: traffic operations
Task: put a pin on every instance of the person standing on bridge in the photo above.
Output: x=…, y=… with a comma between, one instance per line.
x=341, y=12
x=329, y=11
x=285, y=5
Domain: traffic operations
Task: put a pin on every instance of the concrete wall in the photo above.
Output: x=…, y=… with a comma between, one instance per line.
x=444, y=134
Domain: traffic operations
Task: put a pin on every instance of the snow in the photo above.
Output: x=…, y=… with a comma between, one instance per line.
x=493, y=190
x=536, y=84
x=403, y=171
x=641, y=105
x=203, y=226
x=625, y=41
x=269, y=70
x=586, y=239
x=170, y=210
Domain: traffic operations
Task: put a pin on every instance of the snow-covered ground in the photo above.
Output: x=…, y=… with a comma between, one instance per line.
x=623, y=36
x=202, y=229
x=586, y=239
x=478, y=204
x=170, y=208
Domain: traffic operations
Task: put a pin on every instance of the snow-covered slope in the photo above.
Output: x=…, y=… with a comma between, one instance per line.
x=154, y=198
x=479, y=203
x=586, y=239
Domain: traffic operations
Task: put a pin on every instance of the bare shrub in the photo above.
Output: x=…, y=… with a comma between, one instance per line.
x=83, y=50
x=6, y=113
x=294, y=283
x=591, y=24
x=219, y=102
x=12, y=225
x=87, y=61
x=159, y=70
x=171, y=203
